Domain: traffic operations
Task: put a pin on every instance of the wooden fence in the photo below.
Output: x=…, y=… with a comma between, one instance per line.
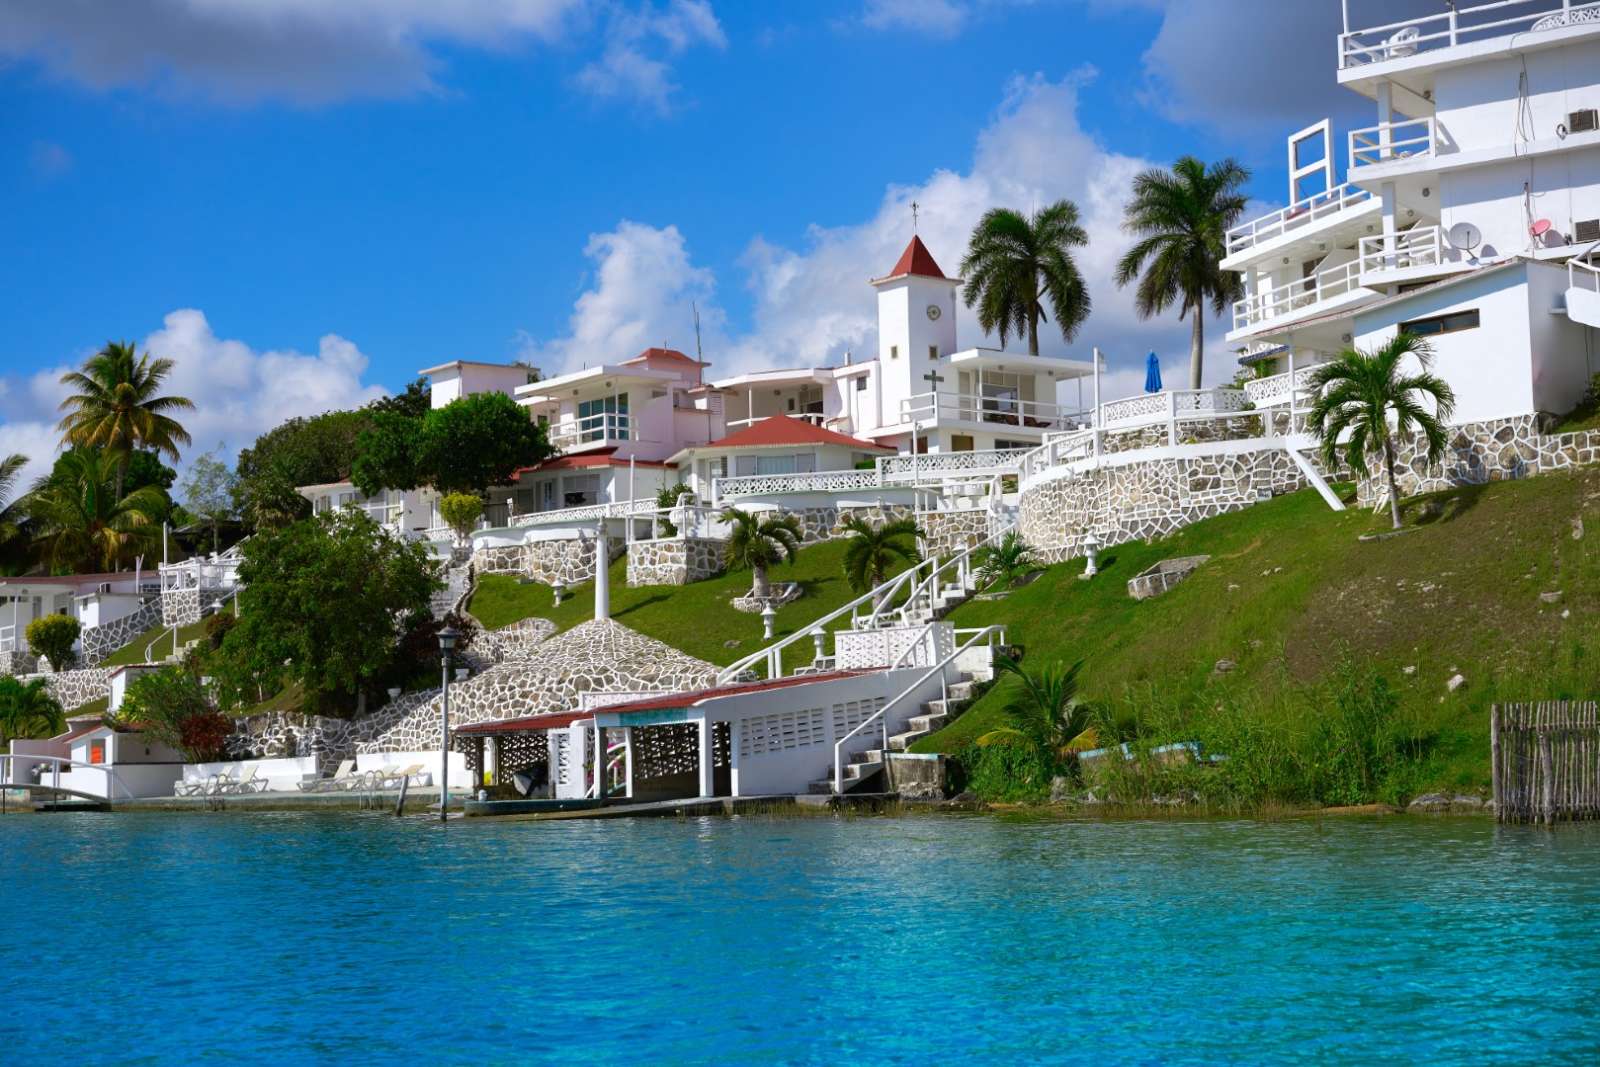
x=1546, y=760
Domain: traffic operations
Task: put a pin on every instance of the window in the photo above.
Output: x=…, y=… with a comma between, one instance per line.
x=593, y=425
x=97, y=751
x=894, y=351
x=1451, y=323
x=861, y=383
x=933, y=351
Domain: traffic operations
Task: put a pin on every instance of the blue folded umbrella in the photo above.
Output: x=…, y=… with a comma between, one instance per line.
x=1152, y=374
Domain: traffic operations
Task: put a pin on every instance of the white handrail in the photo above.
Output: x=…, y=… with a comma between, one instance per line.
x=1378, y=144
x=1456, y=26
x=1305, y=210
x=1584, y=261
x=929, y=585
x=882, y=714
x=927, y=631
x=57, y=762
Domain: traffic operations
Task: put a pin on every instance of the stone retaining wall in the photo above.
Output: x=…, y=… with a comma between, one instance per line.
x=945, y=533
x=1481, y=452
x=183, y=607
x=824, y=522
x=18, y=663
x=75, y=688
x=100, y=641
x=568, y=560
x=674, y=560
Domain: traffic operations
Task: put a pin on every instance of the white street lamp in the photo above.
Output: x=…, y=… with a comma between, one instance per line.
x=768, y=615
x=1091, y=546
x=447, y=643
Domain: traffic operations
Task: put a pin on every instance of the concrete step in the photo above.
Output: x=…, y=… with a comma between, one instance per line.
x=929, y=722
x=960, y=691
x=855, y=775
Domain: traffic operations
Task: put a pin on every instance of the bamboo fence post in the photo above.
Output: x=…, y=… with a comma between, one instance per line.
x=1547, y=770
x=1497, y=789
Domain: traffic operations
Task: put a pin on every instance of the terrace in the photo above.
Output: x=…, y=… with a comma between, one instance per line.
x=990, y=410
x=1413, y=42
x=1334, y=287
x=1420, y=252
x=1304, y=218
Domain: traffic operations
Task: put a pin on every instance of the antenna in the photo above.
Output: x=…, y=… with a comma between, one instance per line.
x=915, y=208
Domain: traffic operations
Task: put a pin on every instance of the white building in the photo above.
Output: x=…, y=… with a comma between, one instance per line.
x=1470, y=212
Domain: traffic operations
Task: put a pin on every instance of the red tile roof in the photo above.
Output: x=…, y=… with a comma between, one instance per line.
x=549, y=721
x=916, y=259
x=600, y=457
x=671, y=355
x=782, y=430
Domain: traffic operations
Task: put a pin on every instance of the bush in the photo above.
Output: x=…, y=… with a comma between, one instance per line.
x=460, y=512
x=28, y=709
x=218, y=627
x=171, y=706
x=668, y=498
x=1014, y=772
x=52, y=637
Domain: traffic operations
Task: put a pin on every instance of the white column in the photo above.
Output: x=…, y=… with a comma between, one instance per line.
x=1097, y=423
x=707, y=772
x=1386, y=196
x=599, y=761
x=1385, y=117
x=602, y=576
x=627, y=756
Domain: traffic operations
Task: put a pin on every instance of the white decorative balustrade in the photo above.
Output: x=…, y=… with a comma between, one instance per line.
x=1422, y=246
x=616, y=509
x=1171, y=405
x=978, y=462
x=992, y=410
x=1301, y=214
x=1274, y=389
x=1390, y=142
x=1292, y=297
x=1460, y=25
x=812, y=482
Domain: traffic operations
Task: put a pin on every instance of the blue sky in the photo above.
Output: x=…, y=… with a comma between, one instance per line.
x=305, y=207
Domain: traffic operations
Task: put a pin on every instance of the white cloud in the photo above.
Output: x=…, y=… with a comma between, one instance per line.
x=317, y=51
x=238, y=391
x=631, y=68
x=937, y=18
x=813, y=303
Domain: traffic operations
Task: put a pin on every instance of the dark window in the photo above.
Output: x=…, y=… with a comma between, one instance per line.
x=861, y=384
x=1456, y=320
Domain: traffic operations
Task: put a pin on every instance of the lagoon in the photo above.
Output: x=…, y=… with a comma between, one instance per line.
x=313, y=938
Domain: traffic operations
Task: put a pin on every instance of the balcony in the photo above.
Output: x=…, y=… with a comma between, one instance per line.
x=575, y=434
x=1460, y=25
x=1171, y=406
x=1392, y=142
x=1302, y=215
x=1421, y=252
x=1035, y=415
x=1274, y=390
x=1290, y=299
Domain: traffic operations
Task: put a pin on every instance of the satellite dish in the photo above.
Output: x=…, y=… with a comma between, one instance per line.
x=1464, y=235
x=1539, y=228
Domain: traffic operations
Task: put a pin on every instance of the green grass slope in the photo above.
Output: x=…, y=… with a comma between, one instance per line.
x=1293, y=598
x=161, y=638
x=695, y=618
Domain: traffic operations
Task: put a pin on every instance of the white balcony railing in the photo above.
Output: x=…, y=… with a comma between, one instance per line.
x=1294, y=296
x=616, y=509
x=1274, y=389
x=1422, y=246
x=1171, y=405
x=1583, y=271
x=1298, y=215
x=590, y=430
x=815, y=418
x=8, y=639
x=993, y=410
x=1389, y=142
x=811, y=482
x=978, y=463
x=1460, y=25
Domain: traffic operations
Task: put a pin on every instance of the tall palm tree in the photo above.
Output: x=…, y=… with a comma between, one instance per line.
x=11, y=511
x=1181, y=218
x=118, y=406
x=1016, y=262
x=873, y=550
x=84, y=524
x=759, y=542
x=1048, y=714
x=28, y=709
x=1358, y=392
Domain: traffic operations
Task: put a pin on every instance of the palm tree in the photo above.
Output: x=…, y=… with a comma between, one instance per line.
x=873, y=550
x=84, y=524
x=760, y=541
x=1048, y=715
x=1015, y=262
x=11, y=511
x=118, y=405
x=28, y=709
x=1005, y=563
x=1357, y=393
x=1181, y=218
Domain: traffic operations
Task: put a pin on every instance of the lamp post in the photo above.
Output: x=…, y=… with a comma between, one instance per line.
x=768, y=616
x=1091, y=544
x=447, y=644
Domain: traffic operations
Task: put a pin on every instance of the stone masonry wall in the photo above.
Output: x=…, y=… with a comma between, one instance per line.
x=18, y=662
x=183, y=607
x=1480, y=452
x=824, y=522
x=100, y=641
x=77, y=687
x=674, y=561
x=1148, y=500
x=568, y=560
x=945, y=533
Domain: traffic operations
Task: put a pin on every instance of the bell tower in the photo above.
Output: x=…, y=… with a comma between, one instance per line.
x=916, y=328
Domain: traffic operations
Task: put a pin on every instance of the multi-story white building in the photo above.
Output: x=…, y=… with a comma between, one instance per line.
x=1470, y=212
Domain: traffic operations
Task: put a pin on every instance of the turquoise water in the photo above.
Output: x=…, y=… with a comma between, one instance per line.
x=367, y=939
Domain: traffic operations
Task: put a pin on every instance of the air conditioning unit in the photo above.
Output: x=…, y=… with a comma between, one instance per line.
x=1585, y=230
x=1584, y=121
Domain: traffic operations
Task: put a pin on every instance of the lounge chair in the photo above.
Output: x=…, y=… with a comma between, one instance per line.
x=254, y=782
x=392, y=779
x=221, y=782
x=319, y=784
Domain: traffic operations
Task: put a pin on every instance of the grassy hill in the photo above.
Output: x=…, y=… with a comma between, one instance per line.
x=696, y=618
x=1500, y=584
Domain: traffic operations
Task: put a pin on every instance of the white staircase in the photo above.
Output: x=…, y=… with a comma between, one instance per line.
x=865, y=763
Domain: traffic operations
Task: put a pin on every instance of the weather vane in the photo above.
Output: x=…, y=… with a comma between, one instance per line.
x=914, y=207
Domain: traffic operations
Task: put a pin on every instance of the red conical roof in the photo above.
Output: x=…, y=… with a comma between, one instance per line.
x=916, y=259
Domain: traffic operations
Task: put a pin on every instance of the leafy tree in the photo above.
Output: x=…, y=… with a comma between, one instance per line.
x=413, y=402
x=208, y=493
x=28, y=709
x=388, y=453
x=12, y=514
x=759, y=542
x=171, y=706
x=668, y=497
x=83, y=525
x=1005, y=564
x=299, y=451
x=1047, y=715
x=461, y=512
x=873, y=550
x=478, y=441
x=1016, y=262
x=1359, y=392
x=118, y=406
x=324, y=603
x=52, y=636
x=1181, y=219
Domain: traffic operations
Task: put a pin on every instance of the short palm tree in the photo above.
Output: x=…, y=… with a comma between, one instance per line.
x=1359, y=392
x=1016, y=262
x=118, y=405
x=28, y=709
x=1181, y=219
x=1006, y=563
x=873, y=550
x=83, y=523
x=1048, y=714
x=759, y=542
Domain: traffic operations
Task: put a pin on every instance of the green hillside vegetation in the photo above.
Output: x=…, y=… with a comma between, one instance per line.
x=695, y=618
x=1336, y=649
x=158, y=636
